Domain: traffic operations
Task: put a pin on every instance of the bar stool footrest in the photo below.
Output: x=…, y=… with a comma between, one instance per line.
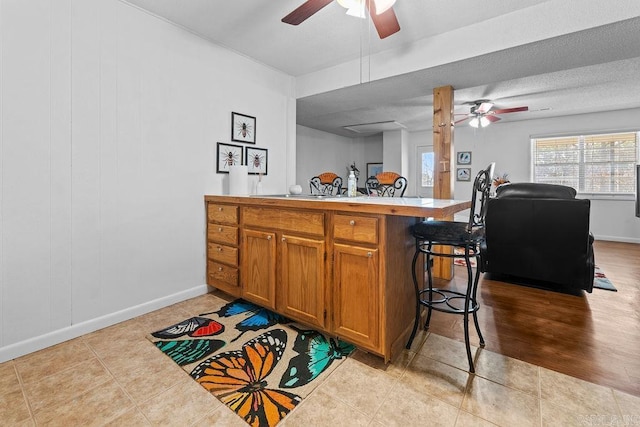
x=443, y=303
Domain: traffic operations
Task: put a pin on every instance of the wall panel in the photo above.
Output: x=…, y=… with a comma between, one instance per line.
x=109, y=119
x=26, y=169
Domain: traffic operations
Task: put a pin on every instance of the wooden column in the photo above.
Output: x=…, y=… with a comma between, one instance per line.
x=443, y=163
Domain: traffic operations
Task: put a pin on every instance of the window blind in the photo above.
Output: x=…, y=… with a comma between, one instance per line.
x=602, y=163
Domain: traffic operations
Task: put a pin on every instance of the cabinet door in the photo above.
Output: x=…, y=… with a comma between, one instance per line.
x=356, y=293
x=301, y=291
x=259, y=267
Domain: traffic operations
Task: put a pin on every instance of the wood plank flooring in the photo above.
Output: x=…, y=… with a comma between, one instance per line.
x=595, y=337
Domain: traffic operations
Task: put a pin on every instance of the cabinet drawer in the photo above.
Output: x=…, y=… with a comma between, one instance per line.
x=222, y=233
x=286, y=220
x=227, y=214
x=222, y=253
x=356, y=228
x=222, y=273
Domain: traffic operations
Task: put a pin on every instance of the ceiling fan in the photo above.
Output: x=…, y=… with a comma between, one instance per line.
x=482, y=115
x=381, y=12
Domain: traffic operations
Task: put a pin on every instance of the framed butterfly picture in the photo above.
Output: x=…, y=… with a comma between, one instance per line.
x=243, y=128
x=256, y=160
x=228, y=155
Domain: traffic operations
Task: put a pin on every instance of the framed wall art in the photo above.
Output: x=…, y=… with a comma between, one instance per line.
x=373, y=169
x=256, y=160
x=243, y=128
x=463, y=157
x=228, y=155
x=463, y=174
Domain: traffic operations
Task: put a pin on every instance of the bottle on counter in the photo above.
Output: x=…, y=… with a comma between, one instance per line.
x=352, y=186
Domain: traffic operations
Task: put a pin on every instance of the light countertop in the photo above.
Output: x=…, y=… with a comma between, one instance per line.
x=402, y=206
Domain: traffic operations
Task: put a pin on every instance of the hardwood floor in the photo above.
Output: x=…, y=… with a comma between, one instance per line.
x=595, y=337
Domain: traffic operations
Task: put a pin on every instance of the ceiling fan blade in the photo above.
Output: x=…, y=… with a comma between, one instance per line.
x=304, y=11
x=386, y=23
x=510, y=110
x=484, y=107
x=492, y=118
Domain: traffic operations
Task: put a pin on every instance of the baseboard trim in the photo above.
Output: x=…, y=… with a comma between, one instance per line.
x=617, y=239
x=56, y=337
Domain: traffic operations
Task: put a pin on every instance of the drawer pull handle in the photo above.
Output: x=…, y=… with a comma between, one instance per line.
x=369, y=254
x=268, y=237
x=219, y=249
x=219, y=209
x=220, y=229
x=219, y=268
x=352, y=222
x=284, y=239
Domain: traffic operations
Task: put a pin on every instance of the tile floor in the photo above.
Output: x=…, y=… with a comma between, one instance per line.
x=116, y=377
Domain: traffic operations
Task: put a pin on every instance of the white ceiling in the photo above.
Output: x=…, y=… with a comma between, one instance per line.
x=596, y=69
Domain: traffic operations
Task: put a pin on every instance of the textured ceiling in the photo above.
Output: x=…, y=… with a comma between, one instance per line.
x=591, y=70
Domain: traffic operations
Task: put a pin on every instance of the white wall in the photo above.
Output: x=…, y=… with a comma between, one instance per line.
x=108, y=127
x=508, y=144
x=319, y=152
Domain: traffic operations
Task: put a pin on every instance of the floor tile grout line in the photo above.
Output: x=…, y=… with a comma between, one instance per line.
x=32, y=414
x=539, y=397
x=396, y=383
x=121, y=386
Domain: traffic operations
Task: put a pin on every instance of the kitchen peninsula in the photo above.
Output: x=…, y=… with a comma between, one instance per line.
x=341, y=265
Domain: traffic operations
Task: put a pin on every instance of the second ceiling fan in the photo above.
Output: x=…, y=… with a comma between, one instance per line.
x=482, y=115
x=381, y=12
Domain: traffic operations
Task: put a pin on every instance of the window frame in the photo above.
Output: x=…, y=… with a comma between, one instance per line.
x=582, y=136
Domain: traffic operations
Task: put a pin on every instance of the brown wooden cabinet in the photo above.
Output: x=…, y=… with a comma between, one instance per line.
x=302, y=289
x=222, y=247
x=259, y=267
x=284, y=262
x=356, y=279
x=342, y=266
x=356, y=295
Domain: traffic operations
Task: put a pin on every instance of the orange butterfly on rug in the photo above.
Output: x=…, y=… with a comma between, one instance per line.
x=240, y=379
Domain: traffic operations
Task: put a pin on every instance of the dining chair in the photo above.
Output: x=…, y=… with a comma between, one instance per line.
x=326, y=183
x=432, y=237
x=386, y=184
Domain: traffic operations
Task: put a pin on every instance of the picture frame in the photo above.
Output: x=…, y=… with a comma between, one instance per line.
x=228, y=155
x=463, y=174
x=373, y=169
x=257, y=160
x=463, y=158
x=243, y=128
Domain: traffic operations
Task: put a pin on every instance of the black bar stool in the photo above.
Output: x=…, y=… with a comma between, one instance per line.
x=462, y=235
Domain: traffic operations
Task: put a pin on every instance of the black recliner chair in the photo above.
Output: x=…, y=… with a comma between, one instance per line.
x=539, y=232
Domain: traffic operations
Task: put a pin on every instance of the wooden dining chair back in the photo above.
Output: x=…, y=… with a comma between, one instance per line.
x=326, y=183
x=386, y=184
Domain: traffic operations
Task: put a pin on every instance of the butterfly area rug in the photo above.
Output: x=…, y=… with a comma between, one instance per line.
x=258, y=363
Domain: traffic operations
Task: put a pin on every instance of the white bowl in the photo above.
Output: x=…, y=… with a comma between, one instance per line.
x=295, y=189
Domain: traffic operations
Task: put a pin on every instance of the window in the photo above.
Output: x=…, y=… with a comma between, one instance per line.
x=595, y=164
x=427, y=169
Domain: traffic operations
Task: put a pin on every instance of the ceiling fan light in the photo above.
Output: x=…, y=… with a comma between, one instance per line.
x=357, y=11
x=349, y=4
x=354, y=7
x=383, y=5
x=484, y=122
x=474, y=123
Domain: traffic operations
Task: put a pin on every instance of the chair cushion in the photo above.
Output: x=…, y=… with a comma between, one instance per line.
x=446, y=232
x=533, y=190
